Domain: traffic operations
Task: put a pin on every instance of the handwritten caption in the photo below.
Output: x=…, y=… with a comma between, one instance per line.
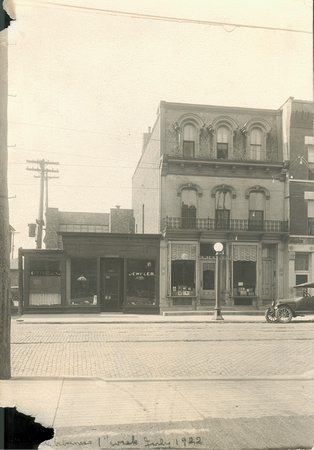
x=145, y=442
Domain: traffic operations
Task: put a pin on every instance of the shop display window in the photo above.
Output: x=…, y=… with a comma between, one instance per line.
x=183, y=277
x=45, y=282
x=83, y=282
x=244, y=278
x=141, y=282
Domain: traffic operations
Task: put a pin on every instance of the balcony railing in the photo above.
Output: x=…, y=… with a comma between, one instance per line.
x=179, y=223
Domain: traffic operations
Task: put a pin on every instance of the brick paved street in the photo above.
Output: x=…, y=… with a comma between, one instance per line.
x=190, y=385
x=169, y=350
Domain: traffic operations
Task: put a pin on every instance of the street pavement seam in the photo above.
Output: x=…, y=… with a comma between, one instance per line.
x=58, y=403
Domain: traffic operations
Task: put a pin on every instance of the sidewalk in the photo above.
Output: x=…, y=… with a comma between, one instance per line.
x=170, y=317
x=171, y=413
x=92, y=413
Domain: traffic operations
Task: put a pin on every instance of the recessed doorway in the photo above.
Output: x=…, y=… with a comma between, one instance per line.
x=111, y=285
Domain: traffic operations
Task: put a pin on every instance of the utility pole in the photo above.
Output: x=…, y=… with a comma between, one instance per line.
x=5, y=300
x=43, y=173
x=46, y=185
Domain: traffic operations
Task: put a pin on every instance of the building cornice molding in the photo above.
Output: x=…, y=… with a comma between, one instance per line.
x=223, y=109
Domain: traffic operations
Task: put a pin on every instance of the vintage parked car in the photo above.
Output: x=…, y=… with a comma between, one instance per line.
x=283, y=310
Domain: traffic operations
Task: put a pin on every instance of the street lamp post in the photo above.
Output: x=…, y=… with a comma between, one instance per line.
x=218, y=247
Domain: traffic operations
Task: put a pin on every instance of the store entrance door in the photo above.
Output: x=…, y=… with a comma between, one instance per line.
x=208, y=279
x=267, y=279
x=111, y=289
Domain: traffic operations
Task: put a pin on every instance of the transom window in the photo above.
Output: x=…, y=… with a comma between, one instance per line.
x=189, y=134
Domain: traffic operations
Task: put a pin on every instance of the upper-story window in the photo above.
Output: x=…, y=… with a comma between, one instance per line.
x=256, y=131
x=188, y=129
x=310, y=215
x=256, y=210
x=311, y=162
x=223, y=209
x=223, y=129
x=188, y=208
x=301, y=262
x=256, y=142
x=223, y=134
x=189, y=138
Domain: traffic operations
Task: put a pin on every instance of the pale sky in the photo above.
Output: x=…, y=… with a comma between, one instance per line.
x=85, y=84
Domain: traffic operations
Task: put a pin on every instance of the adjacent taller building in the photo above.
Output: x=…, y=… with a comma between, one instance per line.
x=298, y=145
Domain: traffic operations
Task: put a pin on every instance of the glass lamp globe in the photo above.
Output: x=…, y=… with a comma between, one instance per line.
x=218, y=247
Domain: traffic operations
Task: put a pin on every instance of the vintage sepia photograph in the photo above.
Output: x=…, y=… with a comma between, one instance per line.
x=156, y=224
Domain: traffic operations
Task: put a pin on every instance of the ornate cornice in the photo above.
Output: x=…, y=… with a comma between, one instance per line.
x=257, y=188
x=223, y=187
x=193, y=186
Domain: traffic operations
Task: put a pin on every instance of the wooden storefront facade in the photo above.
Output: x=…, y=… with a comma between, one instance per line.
x=94, y=273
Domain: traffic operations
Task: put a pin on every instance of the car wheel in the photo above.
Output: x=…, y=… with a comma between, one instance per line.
x=284, y=314
x=270, y=316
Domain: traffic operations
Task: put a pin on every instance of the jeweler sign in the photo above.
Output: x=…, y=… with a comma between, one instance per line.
x=45, y=273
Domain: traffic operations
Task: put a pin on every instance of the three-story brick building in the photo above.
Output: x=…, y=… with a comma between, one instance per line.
x=209, y=174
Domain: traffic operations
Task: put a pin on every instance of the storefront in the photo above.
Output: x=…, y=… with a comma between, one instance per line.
x=250, y=273
x=94, y=273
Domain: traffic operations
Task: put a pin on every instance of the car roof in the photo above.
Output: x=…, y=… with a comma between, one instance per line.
x=309, y=284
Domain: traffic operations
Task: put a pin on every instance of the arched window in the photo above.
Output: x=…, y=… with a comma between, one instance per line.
x=256, y=141
x=256, y=131
x=222, y=209
x=223, y=134
x=188, y=208
x=256, y=211
x=223, y=128
x=189, y=138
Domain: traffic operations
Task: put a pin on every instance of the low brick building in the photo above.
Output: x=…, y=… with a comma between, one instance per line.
x=117, y=221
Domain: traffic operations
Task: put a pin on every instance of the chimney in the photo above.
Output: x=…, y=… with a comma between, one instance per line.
x=146, y=138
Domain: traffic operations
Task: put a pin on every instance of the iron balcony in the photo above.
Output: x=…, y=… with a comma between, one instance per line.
x=179, y=223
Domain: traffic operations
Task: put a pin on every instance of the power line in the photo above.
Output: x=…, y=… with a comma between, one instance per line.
x=86, y=186
x=99, y=165
x=72, y=129
x=165, y=18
